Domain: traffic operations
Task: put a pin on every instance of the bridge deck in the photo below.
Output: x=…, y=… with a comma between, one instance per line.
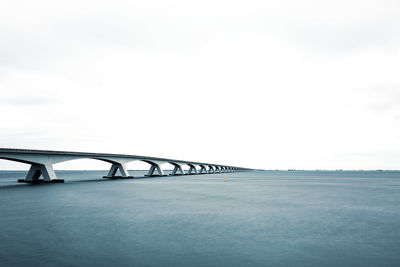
x=93, y=154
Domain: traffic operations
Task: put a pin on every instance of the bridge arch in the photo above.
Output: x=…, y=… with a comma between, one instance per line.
x=20, y=160
x=178, y=168
x=192, y=168
x=155, y=167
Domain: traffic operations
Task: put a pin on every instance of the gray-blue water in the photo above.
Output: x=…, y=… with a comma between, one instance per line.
x=270, y=218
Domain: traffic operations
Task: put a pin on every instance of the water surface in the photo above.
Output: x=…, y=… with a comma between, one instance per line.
x=272, y=218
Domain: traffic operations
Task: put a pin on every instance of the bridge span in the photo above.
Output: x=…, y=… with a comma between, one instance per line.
x=42, y=161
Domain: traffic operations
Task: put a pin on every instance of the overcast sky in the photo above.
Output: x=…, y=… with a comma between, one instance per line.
x=260, y=84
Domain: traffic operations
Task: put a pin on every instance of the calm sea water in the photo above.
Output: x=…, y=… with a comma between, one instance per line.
x=272, y=218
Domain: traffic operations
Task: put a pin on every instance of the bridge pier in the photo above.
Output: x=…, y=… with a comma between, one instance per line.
x=177, y=168
x=113, y=170
x=203, y=169
x=36, y=170
x=192, y=169
x=155, y=168
x=211, y=169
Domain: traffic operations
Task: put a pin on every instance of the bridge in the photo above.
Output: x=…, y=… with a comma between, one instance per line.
x=42, y=161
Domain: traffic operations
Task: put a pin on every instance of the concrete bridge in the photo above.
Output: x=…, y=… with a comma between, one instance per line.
x=42, y=161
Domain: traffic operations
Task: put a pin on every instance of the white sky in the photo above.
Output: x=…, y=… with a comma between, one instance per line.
x=260, y=84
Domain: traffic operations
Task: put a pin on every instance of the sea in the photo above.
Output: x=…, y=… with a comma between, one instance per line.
x=257, y=218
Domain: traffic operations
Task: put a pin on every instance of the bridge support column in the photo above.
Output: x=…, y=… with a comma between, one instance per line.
x=177, y=169
x=192, y=169
x=155, y=167
x=203, y=169
x=211, y=169
x=113, y=170
x=37, y=170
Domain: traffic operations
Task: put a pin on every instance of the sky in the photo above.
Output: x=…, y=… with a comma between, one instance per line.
x=258, y=84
